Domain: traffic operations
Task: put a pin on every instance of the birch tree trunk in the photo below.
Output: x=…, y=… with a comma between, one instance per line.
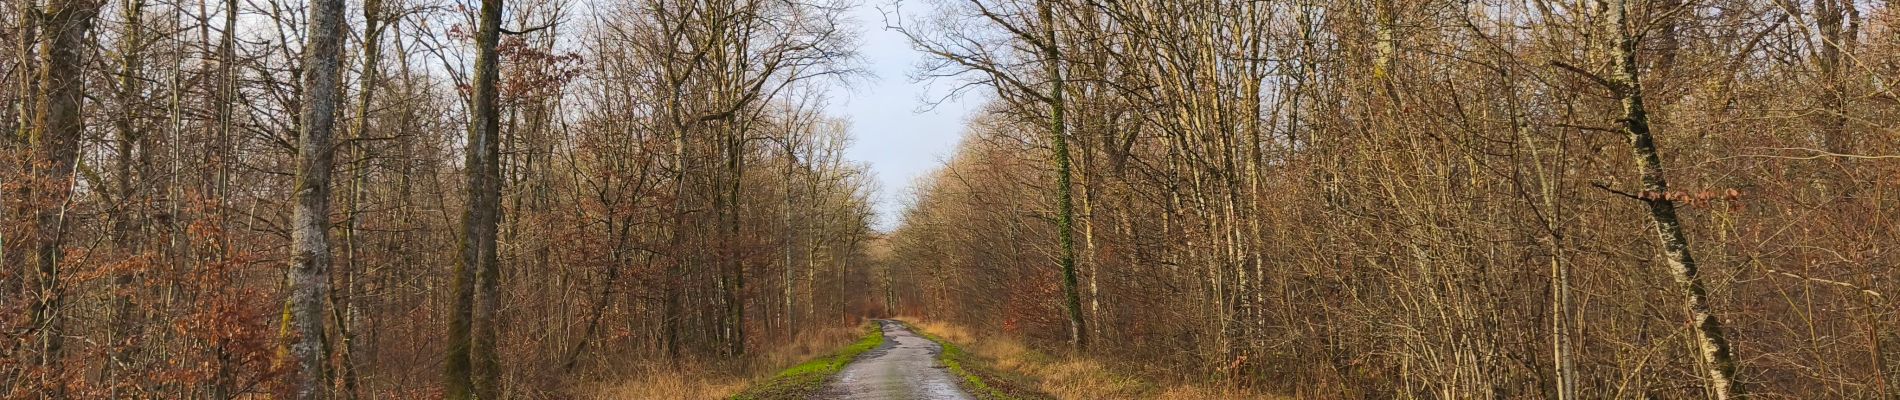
x=1716, y=355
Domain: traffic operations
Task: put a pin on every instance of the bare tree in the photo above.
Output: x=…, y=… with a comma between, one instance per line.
x=473, y=364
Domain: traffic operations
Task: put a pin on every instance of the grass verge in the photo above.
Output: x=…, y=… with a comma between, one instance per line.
x=1000, y=367
x=978, y=376
x=807, y=379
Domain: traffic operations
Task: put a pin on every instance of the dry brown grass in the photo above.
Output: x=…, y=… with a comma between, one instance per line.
x=669, y=382
x=1073, y=378
x=661, y=380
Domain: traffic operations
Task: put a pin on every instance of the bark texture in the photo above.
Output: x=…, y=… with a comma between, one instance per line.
x=57, y=126
x=473, y=366
x=310, y=220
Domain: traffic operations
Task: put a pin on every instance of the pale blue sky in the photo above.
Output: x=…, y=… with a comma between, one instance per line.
x=891, y=130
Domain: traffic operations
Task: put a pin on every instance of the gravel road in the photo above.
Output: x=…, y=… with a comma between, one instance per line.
x=904, y=367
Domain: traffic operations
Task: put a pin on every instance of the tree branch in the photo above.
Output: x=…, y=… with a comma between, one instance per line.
x=1606, y=83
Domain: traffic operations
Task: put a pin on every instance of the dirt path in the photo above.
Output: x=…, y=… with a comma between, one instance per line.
x=904, y=367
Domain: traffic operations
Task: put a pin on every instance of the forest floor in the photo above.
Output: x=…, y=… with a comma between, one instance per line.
x=793, y=370
x=904, y=367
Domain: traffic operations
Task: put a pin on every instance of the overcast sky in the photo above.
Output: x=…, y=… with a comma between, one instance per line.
x=891, y=129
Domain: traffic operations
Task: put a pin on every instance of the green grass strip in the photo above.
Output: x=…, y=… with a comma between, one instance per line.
x=807, y=379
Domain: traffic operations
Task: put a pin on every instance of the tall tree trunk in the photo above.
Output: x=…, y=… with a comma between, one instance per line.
x=345, y=303
x=54, y=137
x=28, y=33
x=224, y=149
x=672, y=312
x=488, y=283
x=1716, y=355
x=791, y=236
x=13, y=270
x=1065, y=206
x=473, y=365
x=735, y=264
x=310, y=229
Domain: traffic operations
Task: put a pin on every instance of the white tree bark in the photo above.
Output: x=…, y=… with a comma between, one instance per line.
x=1716, y=355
